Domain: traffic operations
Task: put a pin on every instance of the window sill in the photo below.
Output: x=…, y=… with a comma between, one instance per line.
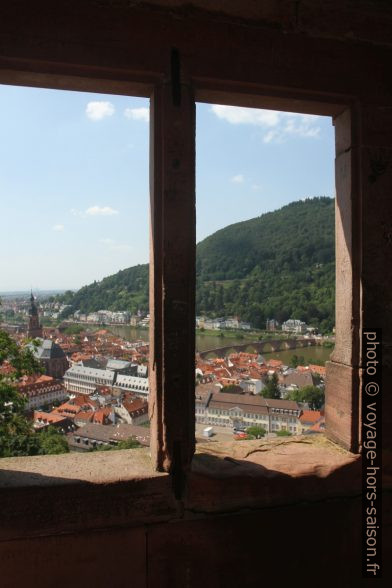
x=261, y=474
x=66, y=493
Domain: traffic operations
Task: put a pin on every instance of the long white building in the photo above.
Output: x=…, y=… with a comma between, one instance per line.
x=85, y=380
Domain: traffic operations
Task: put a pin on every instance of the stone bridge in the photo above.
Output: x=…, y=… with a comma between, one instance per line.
x=264, y=346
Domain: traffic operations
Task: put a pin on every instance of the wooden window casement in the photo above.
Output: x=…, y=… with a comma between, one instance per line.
x=172, y=276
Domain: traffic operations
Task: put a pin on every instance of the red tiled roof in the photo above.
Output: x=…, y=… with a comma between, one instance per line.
x=274, y=363
x=44, y=378
x=310, y=416
x=82, y=401
x=318, y=369
x=320, y=426
x=101, y=416
x=85, y=416
x=67, y=407
x=48, y=417
x=135, y=406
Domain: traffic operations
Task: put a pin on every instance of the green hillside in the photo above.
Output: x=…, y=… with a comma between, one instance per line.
x=279, y=265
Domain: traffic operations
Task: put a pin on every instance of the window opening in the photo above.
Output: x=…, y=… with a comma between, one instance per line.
x=265, y=271
x=74, y=273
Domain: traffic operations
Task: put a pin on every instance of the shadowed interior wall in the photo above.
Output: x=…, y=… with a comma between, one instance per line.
x=323, y=57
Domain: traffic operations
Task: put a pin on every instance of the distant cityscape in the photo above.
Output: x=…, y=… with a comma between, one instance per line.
x=17, y=308
x=95, y=386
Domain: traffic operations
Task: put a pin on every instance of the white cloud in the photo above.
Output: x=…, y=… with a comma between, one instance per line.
x=238, y=179
x=107, y=241
x=278, y=125
x=257, y=187
x=99, y=110
x=137, y=113
x=94, y=211
x=302, y=125
x=239, y=115
x=101, y=211
x=58, y=228
x=271, y=136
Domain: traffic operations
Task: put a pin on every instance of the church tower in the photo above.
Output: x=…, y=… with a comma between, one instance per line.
x=34, y=330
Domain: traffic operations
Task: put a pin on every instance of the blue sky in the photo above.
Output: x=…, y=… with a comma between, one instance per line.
x=74, y=188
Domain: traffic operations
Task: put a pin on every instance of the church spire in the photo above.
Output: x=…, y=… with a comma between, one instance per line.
x=34, y=329
x=33, y=307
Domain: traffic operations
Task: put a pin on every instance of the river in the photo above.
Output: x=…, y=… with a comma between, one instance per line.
x=210, y=341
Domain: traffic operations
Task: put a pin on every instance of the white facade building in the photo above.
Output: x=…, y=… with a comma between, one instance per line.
x=294, y=326
x=84, y=380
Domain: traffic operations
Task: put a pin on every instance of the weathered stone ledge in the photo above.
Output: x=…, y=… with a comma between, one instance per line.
x=67, y=493
x=260, y=474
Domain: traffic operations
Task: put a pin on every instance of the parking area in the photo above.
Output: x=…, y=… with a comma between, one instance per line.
x=219, y=433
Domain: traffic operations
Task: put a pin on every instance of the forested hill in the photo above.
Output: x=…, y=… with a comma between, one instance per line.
x=279, y=265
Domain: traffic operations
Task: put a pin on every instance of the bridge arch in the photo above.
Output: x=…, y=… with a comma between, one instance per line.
x=266, y=346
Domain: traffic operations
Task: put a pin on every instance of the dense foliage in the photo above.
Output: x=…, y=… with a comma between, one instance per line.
x=17, y=436
x=312, y=395
x=52, y=442
x=280, y=265
x=125, y=290
x=256, y=432
x=283, y=433
x=271, y=388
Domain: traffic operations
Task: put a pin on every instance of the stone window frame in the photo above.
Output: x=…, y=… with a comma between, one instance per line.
x=172, y=251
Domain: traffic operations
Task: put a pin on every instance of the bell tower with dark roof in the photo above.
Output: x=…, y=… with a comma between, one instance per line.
x=34, y=330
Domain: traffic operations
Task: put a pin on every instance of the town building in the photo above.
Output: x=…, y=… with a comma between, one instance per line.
x=293, y=378
x=139, y=386
x=242, y=411
x=133, y=411
x=48, y=353
x=311, y=420
x=92, y=435
x=41, y=390
x=85, y=380
x=51, y=357
x=252, y=385
x=43, y=420
x=294, y=326
x=271, y=325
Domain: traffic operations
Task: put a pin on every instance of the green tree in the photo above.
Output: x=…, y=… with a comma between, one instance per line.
x=256, y=431
x=283, y=433
x=129, y=444
x=271, y=389
x=52, y=442
x=17, y=436
x=312, y=395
